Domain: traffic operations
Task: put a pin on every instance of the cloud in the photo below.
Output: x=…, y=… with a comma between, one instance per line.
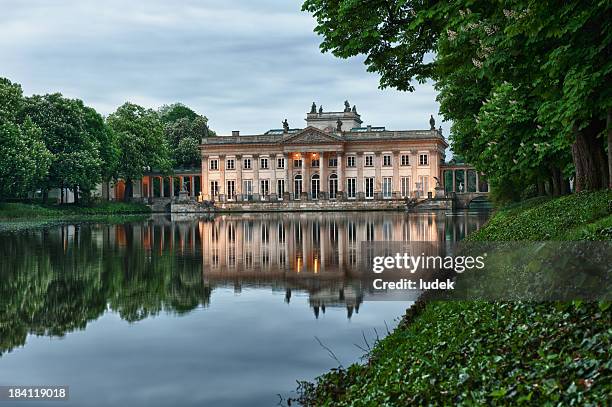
x=245, y=65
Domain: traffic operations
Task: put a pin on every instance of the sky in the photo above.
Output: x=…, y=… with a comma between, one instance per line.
x=245, y=64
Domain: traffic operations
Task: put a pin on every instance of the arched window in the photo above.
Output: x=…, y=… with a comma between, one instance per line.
x=315, y=186
x=297, y=186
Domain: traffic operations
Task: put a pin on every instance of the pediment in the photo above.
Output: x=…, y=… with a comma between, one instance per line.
x=312, y=135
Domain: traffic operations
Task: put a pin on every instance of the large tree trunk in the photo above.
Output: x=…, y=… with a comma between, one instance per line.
x=589, y=159
x=45, y=195
x=609, y=131
x=556, y=181
x=76, y=194
x=129, y=188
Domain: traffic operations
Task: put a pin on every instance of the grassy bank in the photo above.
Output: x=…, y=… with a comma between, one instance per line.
x=18, y=211
x=22, y=216
x=479, y=353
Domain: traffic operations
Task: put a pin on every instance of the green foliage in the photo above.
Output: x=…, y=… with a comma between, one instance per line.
x=66, y=132
x=184, y=130
x=24, y=159
x=542, y=219
x=492, y=353
x=141, y=141
x=523, y=82
x=480, y=353
x=30, y=211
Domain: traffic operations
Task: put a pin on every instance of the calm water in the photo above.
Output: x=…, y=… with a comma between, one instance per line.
x=196, y=311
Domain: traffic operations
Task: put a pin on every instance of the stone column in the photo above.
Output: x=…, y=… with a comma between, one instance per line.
x=377, y=179
x=222, y=189
x=192, y=185
x=359, y=164
x=273, y=165
x=323, y=185
x=454, y=181
x=414, y=164
x=238, y=169
x=161, y=187
x=340, y=172
x=204, y=177
x=477, y=182
x=306, y=158
x=255, y=166
x=172, y=184
x=286, y=173
x=396, y=177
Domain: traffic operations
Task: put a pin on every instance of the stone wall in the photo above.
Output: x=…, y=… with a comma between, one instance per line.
x=289, y=206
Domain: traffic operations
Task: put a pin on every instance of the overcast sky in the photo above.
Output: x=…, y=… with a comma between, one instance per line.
x=245, y=64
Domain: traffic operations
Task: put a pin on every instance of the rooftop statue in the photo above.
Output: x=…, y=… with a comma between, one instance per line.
x=347, y=106
x=354, y=109
x=313, y=108
x=339, y=125
x=321, y=109
x=285, y=126
x=432, y=123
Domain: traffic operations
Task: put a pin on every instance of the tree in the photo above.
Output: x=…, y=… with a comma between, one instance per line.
x=64, y=122
x=553, y=58
x=24, y=159
x=141, y=141
x=184, y=130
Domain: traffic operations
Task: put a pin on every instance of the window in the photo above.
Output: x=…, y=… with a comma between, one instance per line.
x=351, y=187
x=280, y=188
x=247, y=187
x=386, y=187
x=230, y=189
x=214, y=188
x=404, y=160
x=386, y=160
x=230, y=164
x=333, y=162
x=213, y=165
x=369, y=160
x=265, y=187
x=315, y=163
x=280, y=163
x=263, y=163
x=297, y=163
x=405, y=186
x=423, y=159
x=350, y=161
x=369, y=187
x=246, y=164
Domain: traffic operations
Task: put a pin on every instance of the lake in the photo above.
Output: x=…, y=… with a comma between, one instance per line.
x=228, y=310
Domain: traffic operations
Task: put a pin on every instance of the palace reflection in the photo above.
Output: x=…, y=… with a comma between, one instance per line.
x=56, y=280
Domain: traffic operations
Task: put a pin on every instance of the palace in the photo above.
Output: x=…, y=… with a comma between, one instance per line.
x=333, y=157
x=334, y=162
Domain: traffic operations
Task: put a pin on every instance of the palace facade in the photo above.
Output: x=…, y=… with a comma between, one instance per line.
x=333, y=157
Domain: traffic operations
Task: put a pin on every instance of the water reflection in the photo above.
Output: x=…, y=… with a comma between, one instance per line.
x=56, y=280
